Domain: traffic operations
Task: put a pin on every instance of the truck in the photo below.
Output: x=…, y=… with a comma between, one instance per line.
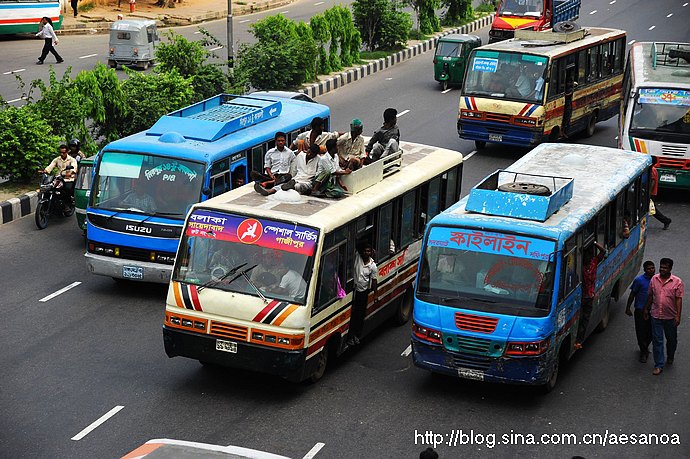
x=532, y=15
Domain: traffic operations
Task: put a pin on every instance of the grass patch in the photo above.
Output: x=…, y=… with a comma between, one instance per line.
x=417, y=35
x=13, y=190
x=85, y=7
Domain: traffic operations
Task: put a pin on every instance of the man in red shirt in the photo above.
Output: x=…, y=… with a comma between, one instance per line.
x=653, y=189
x=589, y=278
x=664, y=304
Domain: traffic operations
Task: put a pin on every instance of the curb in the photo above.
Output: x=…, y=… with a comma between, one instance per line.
x=349, y=76
x=171, y=19
x=26, y=204
x=15, y=208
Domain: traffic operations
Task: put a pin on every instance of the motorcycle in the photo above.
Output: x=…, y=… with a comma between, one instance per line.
x=53, y=198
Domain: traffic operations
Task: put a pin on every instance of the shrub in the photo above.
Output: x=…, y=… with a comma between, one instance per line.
x=381, y=23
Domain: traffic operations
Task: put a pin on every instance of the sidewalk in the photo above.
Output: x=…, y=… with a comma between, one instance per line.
x=26, y=204
x=98, y=19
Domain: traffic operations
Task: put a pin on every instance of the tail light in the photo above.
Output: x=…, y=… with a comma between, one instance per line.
x=427, y=334
x=112, y=50
x=528, y=347
x=135, y=51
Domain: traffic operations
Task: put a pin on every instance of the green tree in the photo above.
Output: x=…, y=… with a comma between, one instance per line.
x=336, y=28
x=187, y=57
x=425, y=10
x=457, y=12
x=155, y=96
x=321, y=33
x=381, y=23
x=26, y=143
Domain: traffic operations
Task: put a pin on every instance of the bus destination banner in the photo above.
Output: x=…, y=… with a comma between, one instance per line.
x=488, y=242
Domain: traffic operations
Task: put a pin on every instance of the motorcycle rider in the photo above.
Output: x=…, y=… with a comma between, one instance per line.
x=74, y=150
x=62, y=162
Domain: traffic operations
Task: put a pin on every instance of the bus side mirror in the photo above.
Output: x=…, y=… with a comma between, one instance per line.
x=206, y=191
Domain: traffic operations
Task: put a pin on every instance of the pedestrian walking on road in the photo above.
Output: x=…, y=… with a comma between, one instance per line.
x=638, y=294
x=75, y=5
x=653, y=189
x=47, y=33
x=664, y=305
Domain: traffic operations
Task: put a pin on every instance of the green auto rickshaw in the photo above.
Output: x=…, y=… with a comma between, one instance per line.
x=82, y=187
x=450, y=57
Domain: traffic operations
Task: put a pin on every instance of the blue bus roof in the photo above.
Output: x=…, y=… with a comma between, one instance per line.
x=598, y=174
x=201, y=131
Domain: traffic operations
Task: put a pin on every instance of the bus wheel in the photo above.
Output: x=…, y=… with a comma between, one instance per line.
x=404, y=309
x=553, y=378
x=589, y=131
x=554, y=135
x=605, y=318
x=480, y=144
x=322, y=363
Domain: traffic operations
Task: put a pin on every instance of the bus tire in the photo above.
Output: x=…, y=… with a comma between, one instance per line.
x=404, y=309
x=554, y=135
x=322, y=363
x=601, y=326
x=480, y=144
x=553, y=377
x=525, y=188
x=591, y=124
x=566, y=26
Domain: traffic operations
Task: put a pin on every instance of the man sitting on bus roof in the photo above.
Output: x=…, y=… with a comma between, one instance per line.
x=303, y=172
x=328, y=172
x=315, y=136
x=351, y=147
x=277, y=162
x=385, y=139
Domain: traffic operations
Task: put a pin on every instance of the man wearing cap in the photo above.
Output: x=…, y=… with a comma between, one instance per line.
x=351, y=146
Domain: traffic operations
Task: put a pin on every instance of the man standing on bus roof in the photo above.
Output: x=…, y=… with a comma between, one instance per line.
x=664, y=305
x=638, y=294
x=366, y=273
x=589, y=279
x=277, y=162
x=386, y=138
x=653, y=190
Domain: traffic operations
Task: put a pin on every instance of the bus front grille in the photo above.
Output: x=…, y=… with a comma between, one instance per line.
x=229, y=331
x=499, y=117
x=481, y=324
x=473, y=345
x=475, y=362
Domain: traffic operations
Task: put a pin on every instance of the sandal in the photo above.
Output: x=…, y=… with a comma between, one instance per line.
x=657, y=371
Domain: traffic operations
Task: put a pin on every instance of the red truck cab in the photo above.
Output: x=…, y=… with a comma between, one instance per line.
x=530, y=14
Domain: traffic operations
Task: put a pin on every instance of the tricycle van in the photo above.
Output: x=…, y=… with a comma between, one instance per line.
x=132, y=43
x=82, y=188
x=450, y=57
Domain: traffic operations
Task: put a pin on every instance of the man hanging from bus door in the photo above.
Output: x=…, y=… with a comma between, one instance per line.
x=589, y=277
x=638, y=295
x=366, y=273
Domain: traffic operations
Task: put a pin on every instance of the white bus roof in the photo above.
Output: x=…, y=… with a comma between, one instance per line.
x=667, y=73
x=419, y=164
x=541, y=47
x=598, y=173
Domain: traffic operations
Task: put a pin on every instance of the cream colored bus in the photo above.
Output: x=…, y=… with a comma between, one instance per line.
x=222, y=305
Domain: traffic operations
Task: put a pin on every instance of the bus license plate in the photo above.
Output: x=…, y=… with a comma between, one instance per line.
x=667, y=178
x=469, y=373
x=226, y=346
x=495, y=138
x=132, y=272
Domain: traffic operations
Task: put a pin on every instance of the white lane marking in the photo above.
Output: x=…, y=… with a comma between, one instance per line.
x=14, y=71
x=407, y=351
x=612, y=2
x=593, y=12
x=14, y=100
x=317, y=447
x=216, y=48
x=284, y=12
x=319, y=3
x=404, y=112
x=652, y=27
x=631, y=42
x=685, y=4
x=469, y=155
x=97, y=423
x=197, y=32
x=87, y=56
x=389, y=79
x=669, y=15
x=615, y=138
x=447, y=90
x=59, y=292
x=244, y=20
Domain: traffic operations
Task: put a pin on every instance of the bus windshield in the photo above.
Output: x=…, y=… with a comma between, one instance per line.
x=531, y=8
x=247, y=255
x=147, y=184
x=486, y=271
x=504, y=75
x=662, y=114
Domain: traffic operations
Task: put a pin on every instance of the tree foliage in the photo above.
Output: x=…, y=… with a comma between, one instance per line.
x=425, y=10
x=26, y=144
x=457, y=12
x=381, y=23
x=187, y=57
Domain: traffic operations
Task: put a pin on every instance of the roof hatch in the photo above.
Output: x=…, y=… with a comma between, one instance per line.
x=520, y=195
x=216, y=117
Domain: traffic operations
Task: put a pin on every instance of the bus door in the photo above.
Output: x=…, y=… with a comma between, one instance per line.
x=569, y=89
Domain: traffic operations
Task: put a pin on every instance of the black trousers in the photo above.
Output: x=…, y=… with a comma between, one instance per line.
x=48, y=48
x=359, y=309
x=74, y=4
x=659, y=215
x=585, y=313
x=643, y=330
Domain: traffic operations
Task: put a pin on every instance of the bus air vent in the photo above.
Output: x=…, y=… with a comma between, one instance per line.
x=228, y=331
x=216, y=117
x=520, y=195
x=470, y=322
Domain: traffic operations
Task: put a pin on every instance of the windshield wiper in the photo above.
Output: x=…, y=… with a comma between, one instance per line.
x=220, y=279
x=163, y=214
x=249, y=281
x=118, y=211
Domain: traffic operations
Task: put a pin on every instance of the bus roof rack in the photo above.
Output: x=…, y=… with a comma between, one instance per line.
x=216, y=117
x=373, y=173
x=538, y=198
x=670, y=54
x=549, y=36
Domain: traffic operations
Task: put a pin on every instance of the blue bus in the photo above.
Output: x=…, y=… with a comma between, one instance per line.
x=144, y=184
x=499, y=285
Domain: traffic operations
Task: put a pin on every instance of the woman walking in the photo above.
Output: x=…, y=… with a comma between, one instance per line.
x=47, y=33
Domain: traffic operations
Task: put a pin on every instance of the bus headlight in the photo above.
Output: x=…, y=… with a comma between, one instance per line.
x=471, y=114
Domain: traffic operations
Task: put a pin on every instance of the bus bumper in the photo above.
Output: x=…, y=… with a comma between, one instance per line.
x=286, y=364
x=511, y=370
x=128, y=269
x=499, y=133
x=674, y=178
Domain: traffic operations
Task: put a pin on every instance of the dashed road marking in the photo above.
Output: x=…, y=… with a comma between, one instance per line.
x=14, y=71
x=612, y=2
x=97, y=423
x=669, y=15
x=14, y=100
x=244, y=20
x=319, y=3
x=59, y=292
x=652, y=27
x=469, y=155
x=447, y=90
x=631, y=42
x=312, y=452
x=216, y=48
x=87, y=56
x=404, y=112
x=407, y=351
x=593, y=12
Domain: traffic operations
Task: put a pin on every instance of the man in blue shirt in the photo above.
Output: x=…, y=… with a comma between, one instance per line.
x=638, y=295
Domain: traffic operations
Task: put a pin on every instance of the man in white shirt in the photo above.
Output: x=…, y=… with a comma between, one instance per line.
x=47, y=34
x=523, y=83
x=62, y=163
x=366, y=275
x=328, y=172
x=291, y=284
x=351, y=146
x=304, y=171
x=277, y=163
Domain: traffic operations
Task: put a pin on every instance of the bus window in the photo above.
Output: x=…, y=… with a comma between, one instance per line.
x=331, y=285
x=257, y=156
x=593, y=64
x=618, y=55
x=407, y=220
x=571, y=267
x=617, y=224
x=631, y=204
x=582, y=66
x=220, y=183
x=451, y=185
x=643, y=203
x=384, y=246
x=601, y=227
x=432, y=204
